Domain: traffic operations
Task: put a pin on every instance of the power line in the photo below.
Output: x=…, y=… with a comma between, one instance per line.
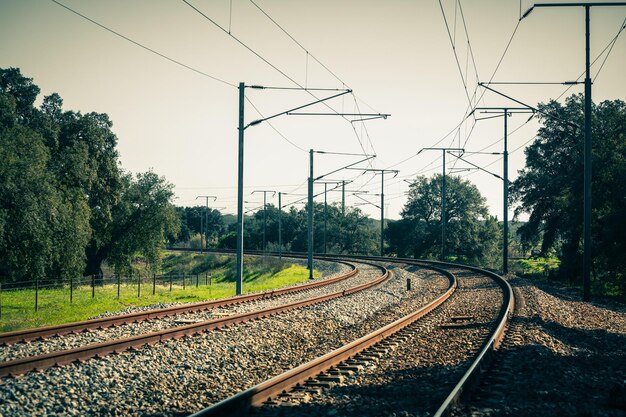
x=469, y=44
x=274, y=128
x=309, y=54
x=264, y=60
x=456, y=57
x=612, y=43
x=143, y=46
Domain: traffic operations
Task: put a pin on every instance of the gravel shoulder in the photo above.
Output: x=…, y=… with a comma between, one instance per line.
x=561, y=356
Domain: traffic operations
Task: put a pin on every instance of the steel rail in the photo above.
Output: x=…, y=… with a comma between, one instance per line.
x=471, y=377
x=240, y=404
x=26, y=335
x=482, y=360
x=38, y=362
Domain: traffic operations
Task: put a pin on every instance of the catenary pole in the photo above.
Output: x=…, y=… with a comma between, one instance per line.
x=239, y=268
x=443, y=208
x=505, y=112
x=310, y=217
x=587, y=258
x=443, y=195
x=280, y=225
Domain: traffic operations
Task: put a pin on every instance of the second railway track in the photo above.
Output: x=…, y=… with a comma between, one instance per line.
x=79, y=350
x=27, y=335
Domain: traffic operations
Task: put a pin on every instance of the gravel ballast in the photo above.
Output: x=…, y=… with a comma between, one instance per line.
x=561, y=356
x=415, y=378
x=70, y=341
x=180, y=377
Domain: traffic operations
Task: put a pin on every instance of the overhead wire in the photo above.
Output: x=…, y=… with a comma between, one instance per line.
x=143, y=46
x=273, y=127
x=456, y=57
x=309, y=54
x=471, y=107
x=608, y=47
x=258, y=55
x=612, y=43
x=298, y=43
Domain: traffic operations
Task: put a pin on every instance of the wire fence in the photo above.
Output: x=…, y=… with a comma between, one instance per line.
x=21, y=294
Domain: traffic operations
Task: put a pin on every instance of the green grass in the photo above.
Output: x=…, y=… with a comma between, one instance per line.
x=536, y=267
x=18, y=306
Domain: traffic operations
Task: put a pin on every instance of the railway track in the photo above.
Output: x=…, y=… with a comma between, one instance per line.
x=301, y=385
x=177, y=376
x=26, y=335
x=62, y=357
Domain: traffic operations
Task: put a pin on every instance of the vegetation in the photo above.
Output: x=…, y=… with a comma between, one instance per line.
x=472, y=235
x=550, y=189
x=65, y=204
x=18, y=309
x=67, y=208
x=350, y=233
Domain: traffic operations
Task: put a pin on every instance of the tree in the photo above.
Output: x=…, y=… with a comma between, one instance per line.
x=65, y=205
x=43, y=222
x=472, y=235
x=550, y=187
x=142, y=219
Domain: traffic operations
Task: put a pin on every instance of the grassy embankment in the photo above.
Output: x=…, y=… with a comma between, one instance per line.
x=261, y=274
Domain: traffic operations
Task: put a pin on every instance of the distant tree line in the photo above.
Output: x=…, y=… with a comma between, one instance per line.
x=334, y=232
x=473, y=236
x=66, y=206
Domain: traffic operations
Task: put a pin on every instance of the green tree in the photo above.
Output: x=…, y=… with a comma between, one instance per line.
x=550, y=187
x=65, y=205
x=472, y=235
x=142, y=219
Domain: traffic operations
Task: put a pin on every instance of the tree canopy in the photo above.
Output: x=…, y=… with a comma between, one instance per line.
x=65, y=204
x=472, y=235
x=550, y=187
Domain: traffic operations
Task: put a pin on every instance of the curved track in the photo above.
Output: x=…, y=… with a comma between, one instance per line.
x=330, y=368
x=26, y=335
x=19, y=366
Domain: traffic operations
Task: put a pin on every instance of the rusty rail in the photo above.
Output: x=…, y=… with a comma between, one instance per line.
x=26, y=335
x=240, y=404
x=23, y=365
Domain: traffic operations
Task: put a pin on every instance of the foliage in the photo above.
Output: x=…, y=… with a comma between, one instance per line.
x=538, y=267
x=472, y=236
x=550, y=188
x=141, y=220
x=352, y=233
x=65, y=205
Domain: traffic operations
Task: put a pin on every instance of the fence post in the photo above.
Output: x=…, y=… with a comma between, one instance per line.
x=93, y=285
x=197, y=280
x=71, y=289
x=36, y=294
x=206, y=278
x=184, y=281
x=170, y=275
x=118, y=285
x=210, y=279
x=138, y=284
x=153, y=283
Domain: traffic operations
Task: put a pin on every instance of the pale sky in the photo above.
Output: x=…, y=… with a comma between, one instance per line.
x=395, y=55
